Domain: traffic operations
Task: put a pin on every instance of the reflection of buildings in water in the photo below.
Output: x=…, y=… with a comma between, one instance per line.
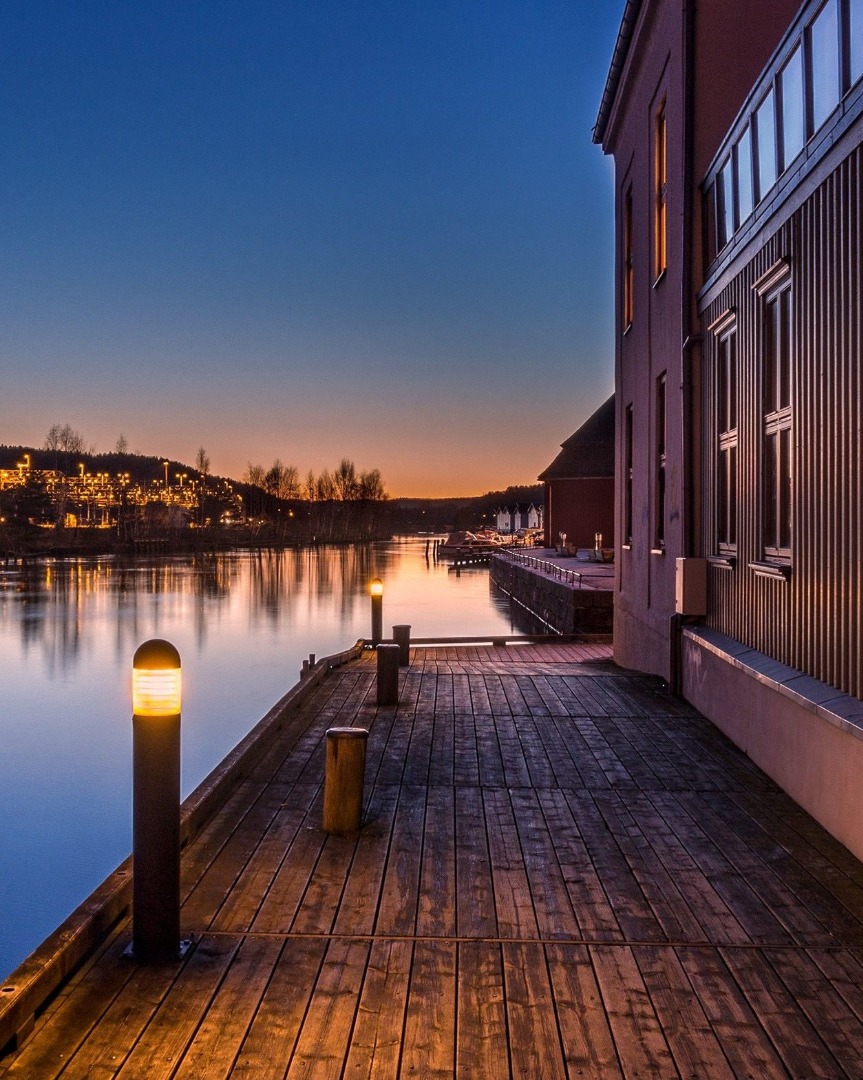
x=278, y=578
x=56, y=603
x=61, y=607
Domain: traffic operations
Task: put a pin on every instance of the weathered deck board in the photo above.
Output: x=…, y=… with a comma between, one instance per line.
x=562, y=872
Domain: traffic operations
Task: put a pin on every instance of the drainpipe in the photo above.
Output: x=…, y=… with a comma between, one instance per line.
x=690, y=428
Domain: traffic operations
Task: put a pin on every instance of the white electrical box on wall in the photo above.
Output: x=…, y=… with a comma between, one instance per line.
x=691, y=587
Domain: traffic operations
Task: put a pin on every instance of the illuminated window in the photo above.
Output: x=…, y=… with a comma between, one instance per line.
x=628, y=301
x=660, y=169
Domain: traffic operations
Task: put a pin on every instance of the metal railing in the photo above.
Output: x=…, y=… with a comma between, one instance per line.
x=571, y=577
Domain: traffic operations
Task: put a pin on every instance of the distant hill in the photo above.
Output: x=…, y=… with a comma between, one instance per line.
x=404, y=515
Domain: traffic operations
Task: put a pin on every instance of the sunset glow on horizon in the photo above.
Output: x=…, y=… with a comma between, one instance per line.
x=309, y=232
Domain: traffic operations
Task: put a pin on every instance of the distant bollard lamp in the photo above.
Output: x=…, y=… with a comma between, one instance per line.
x=376, y=589
x=156, y=702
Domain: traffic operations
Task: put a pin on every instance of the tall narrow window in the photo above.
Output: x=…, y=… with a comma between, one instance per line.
x=659, y=465
x=743, y=159
x=660, y=170
x=627, y=477
x=823, y=39
x=724, y=205
x=854, y=36
x=791, y=111
x=777, y=464
x=765, y=136
x=628, y=296
x=726, y=437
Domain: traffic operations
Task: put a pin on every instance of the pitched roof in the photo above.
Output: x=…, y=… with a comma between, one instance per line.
x=588, y=452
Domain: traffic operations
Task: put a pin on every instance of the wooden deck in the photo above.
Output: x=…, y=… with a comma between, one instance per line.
x=562, y=872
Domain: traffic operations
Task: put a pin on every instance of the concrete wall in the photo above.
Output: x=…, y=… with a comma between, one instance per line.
x=801, y=732
x=562, y=607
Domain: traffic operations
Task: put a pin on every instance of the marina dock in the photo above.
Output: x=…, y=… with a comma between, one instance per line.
x=562, y=871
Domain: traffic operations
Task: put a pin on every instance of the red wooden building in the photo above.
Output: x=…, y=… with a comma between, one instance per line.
x=736, y=130
x=579, y=484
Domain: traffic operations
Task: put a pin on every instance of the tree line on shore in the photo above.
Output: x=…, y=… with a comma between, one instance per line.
x=278, y=506
x=146, y=495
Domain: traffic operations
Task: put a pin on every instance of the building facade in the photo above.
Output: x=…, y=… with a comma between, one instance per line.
x=579, y=484
x=746, y=346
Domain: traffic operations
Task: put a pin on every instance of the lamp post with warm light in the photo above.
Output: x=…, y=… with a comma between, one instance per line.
x=376, y=589
x=156, y=801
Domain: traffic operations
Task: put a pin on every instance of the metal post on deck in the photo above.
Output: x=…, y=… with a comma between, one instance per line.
x=156, y=702
x=343, y=779
x=376, y=589
x=402, y=638
x=388, y=674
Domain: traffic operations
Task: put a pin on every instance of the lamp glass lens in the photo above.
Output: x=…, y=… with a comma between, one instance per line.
x=156, y=693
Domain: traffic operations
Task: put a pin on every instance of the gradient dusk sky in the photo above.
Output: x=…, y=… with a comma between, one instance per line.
x=308, y=230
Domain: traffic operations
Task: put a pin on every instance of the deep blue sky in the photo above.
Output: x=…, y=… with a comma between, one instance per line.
x=308, y=230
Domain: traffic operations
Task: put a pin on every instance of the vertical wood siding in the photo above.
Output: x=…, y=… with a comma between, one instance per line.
x=813, y=621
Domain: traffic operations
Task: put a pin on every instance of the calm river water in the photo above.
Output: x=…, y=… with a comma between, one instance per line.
x=243, y=624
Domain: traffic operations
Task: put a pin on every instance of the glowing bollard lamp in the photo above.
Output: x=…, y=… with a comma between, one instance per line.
x=377, y=593
x=156, y=802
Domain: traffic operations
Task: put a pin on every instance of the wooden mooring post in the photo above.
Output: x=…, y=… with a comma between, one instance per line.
x=343, y=779
x=388, y=674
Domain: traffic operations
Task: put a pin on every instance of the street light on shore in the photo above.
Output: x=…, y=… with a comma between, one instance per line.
x=376, y=589
x=156, y=702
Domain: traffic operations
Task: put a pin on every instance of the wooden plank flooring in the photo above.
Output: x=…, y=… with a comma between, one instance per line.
x=562, y=871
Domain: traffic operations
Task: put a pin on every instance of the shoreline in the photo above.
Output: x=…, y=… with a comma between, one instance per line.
x=84, y=545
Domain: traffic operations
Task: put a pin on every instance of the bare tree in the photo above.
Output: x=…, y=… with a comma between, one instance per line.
x=290, y=482
x=310, y=486
x=326, y=489
x=65, y=438
x=122, y=446
x=282, y=480
x=273, y=478
x=371, y=486
x=345, y=480
x=255, y=475
x=52, y=439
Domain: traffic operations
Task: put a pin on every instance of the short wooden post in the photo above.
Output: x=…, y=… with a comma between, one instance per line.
x=343, y=779
x=388, y=674
x=402, y=638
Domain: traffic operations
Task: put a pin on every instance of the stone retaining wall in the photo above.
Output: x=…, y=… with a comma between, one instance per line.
x=565, y=608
